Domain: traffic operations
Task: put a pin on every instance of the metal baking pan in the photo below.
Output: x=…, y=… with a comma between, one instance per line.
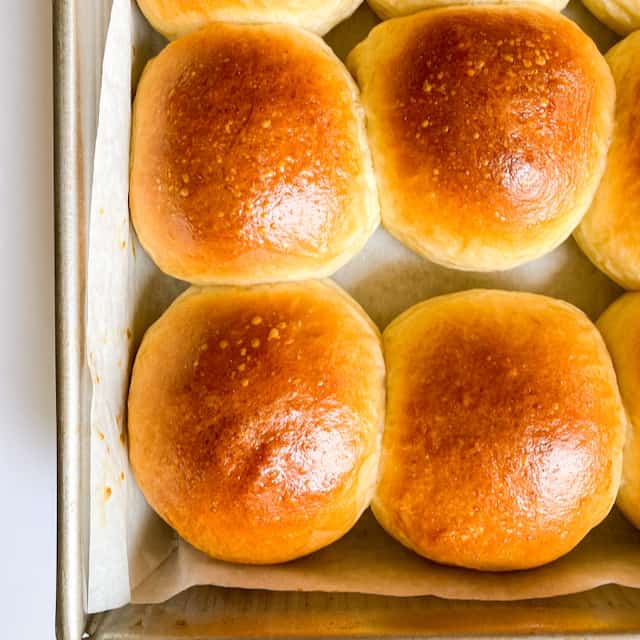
x=209, y=612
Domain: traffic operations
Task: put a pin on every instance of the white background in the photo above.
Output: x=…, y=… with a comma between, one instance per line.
x=27, y=397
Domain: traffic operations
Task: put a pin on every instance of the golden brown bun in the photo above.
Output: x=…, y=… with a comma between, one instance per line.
x=175, y=18
x=622, y=16
x=249, y=158
x=610, y=232
x=620, y=327
x=393, y=8
x=489, y=127
x=255, y=418
x=503, y=438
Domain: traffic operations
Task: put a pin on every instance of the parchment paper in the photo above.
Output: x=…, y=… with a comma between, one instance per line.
x=133, y=555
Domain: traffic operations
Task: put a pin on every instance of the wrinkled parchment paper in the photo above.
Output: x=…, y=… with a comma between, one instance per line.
x=133, y=555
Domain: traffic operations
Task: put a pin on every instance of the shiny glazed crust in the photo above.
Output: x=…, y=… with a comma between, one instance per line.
x=249, y=158
x=504, y=431
x=610, y=232
x=489, y=127
x=620, y=328
x=386, y=9
x=621, y=16
x=255, y=418
x=175, y=18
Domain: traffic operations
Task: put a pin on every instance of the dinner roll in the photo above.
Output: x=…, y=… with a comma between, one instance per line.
x=503, y=439
x=394, y=8
x=249, y=158
x=255, y=418
x=175, y=18
x=621, y=16
x=620, y=327
x=489, y=127
x=610, y=232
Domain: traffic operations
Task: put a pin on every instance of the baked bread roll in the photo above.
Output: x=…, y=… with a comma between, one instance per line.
x=249, y=158
x=393, y=8
x=489, y=127
x=175, y=18
x=504, y=432
x=621, y=16
x=620, y=327
x=255, y=418
x=610, y=232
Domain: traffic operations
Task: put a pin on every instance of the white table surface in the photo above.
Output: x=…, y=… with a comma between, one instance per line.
x=27, y=399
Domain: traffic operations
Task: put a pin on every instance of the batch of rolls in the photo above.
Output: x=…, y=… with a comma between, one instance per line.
x=486, y=429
